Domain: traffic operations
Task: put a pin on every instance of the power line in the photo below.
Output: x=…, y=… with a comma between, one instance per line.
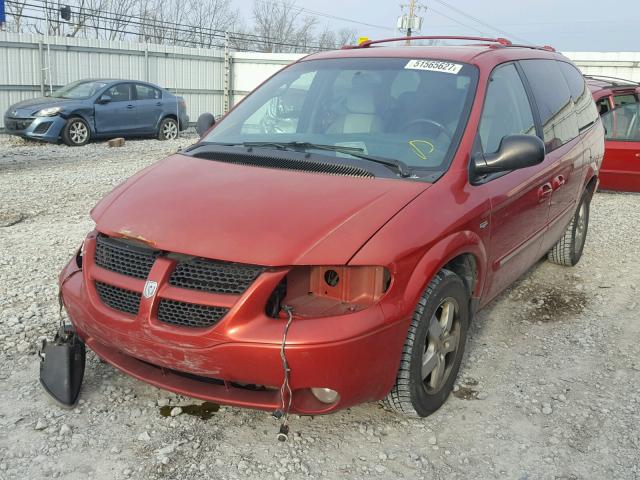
x=328, y=15
x=481, y=22
x=455, y=20
x=146, y=23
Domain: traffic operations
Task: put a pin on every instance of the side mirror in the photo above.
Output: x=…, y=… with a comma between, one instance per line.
x=104, y=99
x=516, y=151
x=205, y=122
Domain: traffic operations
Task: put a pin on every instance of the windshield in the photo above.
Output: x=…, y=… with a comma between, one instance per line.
x=409, y=110
x=79, y=90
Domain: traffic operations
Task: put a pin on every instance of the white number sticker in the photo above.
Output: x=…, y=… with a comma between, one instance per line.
x=434, y=66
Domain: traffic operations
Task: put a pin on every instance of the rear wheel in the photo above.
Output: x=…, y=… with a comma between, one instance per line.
x=433, y=348
x=168, y=129
x=568, y=250
x=76, y=132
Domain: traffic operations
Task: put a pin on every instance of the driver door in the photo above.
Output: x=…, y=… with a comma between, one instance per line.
x=519, y=199
x=117, y=116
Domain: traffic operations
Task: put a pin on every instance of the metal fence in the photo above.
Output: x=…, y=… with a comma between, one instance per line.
x=613, y=64
x=210, y=80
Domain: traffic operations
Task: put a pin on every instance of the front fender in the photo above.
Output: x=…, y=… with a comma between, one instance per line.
x=409, y=283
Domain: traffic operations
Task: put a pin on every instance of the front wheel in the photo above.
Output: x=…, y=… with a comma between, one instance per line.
x=433, y=348
x=168, y=129
x=76, y=132
x=568, y=250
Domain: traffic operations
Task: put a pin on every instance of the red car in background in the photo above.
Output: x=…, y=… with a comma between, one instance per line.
x=618, y=103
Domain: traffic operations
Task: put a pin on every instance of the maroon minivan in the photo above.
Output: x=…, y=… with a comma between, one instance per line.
x=328, y=242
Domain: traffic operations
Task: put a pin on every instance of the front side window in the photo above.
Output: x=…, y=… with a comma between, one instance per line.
x=396, y=108
x=553, y=98
x=623, y=123
x=506, y=109
x=119, y=93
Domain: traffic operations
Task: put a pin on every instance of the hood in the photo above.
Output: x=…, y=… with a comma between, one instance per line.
x=27, y=108
x=251, y=214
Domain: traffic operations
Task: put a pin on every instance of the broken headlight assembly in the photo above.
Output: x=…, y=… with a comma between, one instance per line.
x=322, y=291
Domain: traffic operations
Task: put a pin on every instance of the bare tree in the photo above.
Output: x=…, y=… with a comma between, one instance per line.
x=283, y=27
x=209, y=20
x=15, y=12
x=110, y=19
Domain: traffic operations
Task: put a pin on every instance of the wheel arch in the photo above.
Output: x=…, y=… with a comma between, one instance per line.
x=592, y=184
x=463, y=253
x=84, y=114
x=167, y=115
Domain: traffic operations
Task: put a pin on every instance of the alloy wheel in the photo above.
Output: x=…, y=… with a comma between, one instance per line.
x=442, y=342
x=170, y=130
x=78, y=132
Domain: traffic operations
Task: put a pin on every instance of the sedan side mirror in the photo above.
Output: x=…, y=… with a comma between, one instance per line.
x=205, y=122
x=104, y=99
x=516, y=151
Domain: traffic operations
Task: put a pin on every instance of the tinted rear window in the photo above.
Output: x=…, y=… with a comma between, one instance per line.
x=586, y=111
x=553, y=99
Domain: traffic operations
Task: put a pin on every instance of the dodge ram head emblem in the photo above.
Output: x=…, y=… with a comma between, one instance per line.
x=150, y=289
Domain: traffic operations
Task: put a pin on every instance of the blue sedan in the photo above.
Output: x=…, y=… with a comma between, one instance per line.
x=89, y=109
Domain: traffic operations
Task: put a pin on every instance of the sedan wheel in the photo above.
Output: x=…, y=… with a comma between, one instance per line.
x=168, y=129
x=76, y=132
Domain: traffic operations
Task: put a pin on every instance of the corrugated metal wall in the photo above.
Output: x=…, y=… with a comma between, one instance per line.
x=200, y=75
x=29, y=64
x=612, y=64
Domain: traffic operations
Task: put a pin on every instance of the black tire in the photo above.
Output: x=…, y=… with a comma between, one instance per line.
x=568, y=250
x=413, y=394
x=168, y=129
x=76, y=132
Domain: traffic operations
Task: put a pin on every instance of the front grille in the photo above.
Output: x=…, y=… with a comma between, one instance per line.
x=17, y=123
x=119, y=298
x=189, y=314
x=122, y=256
x=214, y=276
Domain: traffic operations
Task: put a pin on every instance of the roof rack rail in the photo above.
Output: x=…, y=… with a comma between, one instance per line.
x=613, y=81
x=497, y=41
x=368, y=43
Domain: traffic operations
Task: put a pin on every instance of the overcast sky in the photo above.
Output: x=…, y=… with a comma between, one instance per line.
x=569, y=25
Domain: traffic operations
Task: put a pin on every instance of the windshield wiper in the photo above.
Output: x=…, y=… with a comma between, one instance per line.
x=398, y=165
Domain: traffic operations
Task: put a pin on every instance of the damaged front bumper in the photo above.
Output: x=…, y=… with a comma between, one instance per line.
x=237, y=362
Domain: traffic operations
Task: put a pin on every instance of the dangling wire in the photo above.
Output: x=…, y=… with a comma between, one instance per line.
x=285, y=390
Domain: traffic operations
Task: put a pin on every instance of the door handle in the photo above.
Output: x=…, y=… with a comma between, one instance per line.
x=158, y=104
x=558, y=182
x=130, y=106
x=638, y=155
x=544, y=192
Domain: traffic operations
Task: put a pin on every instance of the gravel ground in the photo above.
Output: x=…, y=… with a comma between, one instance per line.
x=549, y=388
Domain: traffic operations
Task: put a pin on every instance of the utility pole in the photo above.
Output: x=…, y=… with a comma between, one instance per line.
x=410, y=21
